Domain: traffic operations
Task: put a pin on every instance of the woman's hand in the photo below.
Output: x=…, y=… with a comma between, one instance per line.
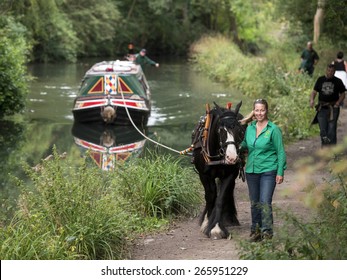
x=279, y=179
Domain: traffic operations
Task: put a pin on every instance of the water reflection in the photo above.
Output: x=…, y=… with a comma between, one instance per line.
x=106, y=145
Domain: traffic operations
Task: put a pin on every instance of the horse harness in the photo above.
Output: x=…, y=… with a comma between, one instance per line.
x=201, y=137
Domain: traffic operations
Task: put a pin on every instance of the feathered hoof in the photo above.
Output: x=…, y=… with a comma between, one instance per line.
x=218, y=233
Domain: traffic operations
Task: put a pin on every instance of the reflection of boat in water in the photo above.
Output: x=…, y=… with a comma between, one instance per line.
x=108, y=144
x=109, y=91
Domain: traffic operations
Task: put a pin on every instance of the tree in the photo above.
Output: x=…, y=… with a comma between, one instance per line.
x=301, y=13
x=318, y=20
x=13, y=77
x=51, y=31
x=95, y=24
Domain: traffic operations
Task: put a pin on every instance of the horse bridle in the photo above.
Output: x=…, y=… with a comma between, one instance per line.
x=220, y=158
x=199, y=138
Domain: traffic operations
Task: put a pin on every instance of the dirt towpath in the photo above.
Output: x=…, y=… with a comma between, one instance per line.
x=184, y=241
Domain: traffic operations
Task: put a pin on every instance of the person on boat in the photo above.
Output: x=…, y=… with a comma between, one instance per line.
x=340, y=68
x=331, y=93
x=131, y=56
x=143, y=60
x=309, y=58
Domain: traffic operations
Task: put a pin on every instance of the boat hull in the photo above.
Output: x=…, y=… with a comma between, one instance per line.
x=93, y=115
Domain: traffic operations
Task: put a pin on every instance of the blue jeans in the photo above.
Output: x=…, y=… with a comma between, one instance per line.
x=328, y=127
x=261, y=188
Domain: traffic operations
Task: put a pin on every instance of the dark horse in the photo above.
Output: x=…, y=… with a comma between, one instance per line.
x=215, y=143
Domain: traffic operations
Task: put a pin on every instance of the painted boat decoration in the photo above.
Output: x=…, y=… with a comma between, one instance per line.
x=108, y=145
x=111, y=91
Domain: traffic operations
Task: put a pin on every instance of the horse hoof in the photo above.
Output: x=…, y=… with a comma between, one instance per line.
x=217, y=233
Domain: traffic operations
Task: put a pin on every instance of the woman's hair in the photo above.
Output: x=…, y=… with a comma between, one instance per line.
x=261, y=101
x=339, y=55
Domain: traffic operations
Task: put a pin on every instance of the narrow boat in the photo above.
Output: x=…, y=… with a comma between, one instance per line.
x=115, y=92
x=107, y=145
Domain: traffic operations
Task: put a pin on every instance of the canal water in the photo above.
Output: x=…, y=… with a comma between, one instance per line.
x=179, y=95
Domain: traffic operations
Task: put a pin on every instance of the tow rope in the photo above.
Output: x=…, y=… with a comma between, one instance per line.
x=184, y=152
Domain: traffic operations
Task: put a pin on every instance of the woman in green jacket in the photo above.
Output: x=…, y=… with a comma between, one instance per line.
x=265, y=165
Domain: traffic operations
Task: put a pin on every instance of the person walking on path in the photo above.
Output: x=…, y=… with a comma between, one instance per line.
x=331, y=93
x=143, y=60
x=309, y=58
x=265, y=165
x=340, y=68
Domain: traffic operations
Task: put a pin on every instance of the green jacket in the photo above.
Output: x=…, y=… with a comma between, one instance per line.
x=143, y=60
x=265, y=153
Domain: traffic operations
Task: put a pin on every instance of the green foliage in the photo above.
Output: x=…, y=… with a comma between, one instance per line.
x=66, y=215
x=323, y=238
x=65, y=30
x=85, y=213
x=157, y=186
x=52, y=32
x=252, y=18
x=94, y=24
x=13, y=76
x=291, y=111
x=334, y=23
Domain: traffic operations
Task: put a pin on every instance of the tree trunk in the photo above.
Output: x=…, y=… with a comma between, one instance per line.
x=131, y=9
x=318, y=20
x=233, y=25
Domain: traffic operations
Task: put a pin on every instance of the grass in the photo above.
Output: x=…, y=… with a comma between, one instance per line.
x=87, y=214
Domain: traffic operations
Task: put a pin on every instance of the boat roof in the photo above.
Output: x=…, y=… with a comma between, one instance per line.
x=115, y=67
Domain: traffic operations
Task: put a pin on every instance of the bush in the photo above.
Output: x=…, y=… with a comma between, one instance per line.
x=13, y=77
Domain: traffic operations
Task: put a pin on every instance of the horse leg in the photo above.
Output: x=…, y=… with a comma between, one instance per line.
x=210, y=198
x=229, y=212
x=216, y=226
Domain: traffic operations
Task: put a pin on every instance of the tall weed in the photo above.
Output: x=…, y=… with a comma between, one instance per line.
x=160, y=186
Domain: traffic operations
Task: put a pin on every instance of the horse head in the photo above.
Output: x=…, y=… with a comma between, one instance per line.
x=230, y=132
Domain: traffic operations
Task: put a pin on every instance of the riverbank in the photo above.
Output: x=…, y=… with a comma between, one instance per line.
x=184, y=241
